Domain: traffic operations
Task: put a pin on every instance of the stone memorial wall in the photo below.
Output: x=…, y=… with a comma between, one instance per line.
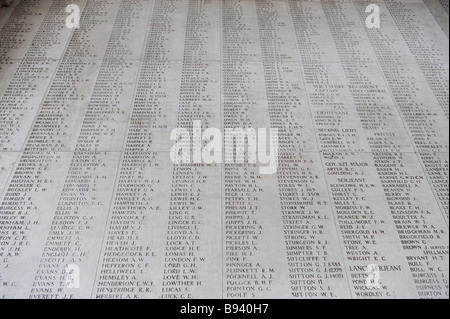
x=92, y=206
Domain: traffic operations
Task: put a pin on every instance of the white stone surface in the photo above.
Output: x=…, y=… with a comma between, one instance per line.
x=86, y=178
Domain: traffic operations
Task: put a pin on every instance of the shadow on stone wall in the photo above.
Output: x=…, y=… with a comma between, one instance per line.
x=440, y=11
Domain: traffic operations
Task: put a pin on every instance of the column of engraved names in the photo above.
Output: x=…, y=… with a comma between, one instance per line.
x=28, y=198
x=24, y=77
x=248, y=272
x=402, y=177
x=314, y=258
x=415, y=100
x=379, y=119
x=134, y=237
x=427, y=45
x=343, y=136
x=420, y=227
x=405, y=197
x=192, y=262
x=7, y=69
x=77, y=228
x=6, y=13
x=64, y=109
x=330, y=111
x=30, y=42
